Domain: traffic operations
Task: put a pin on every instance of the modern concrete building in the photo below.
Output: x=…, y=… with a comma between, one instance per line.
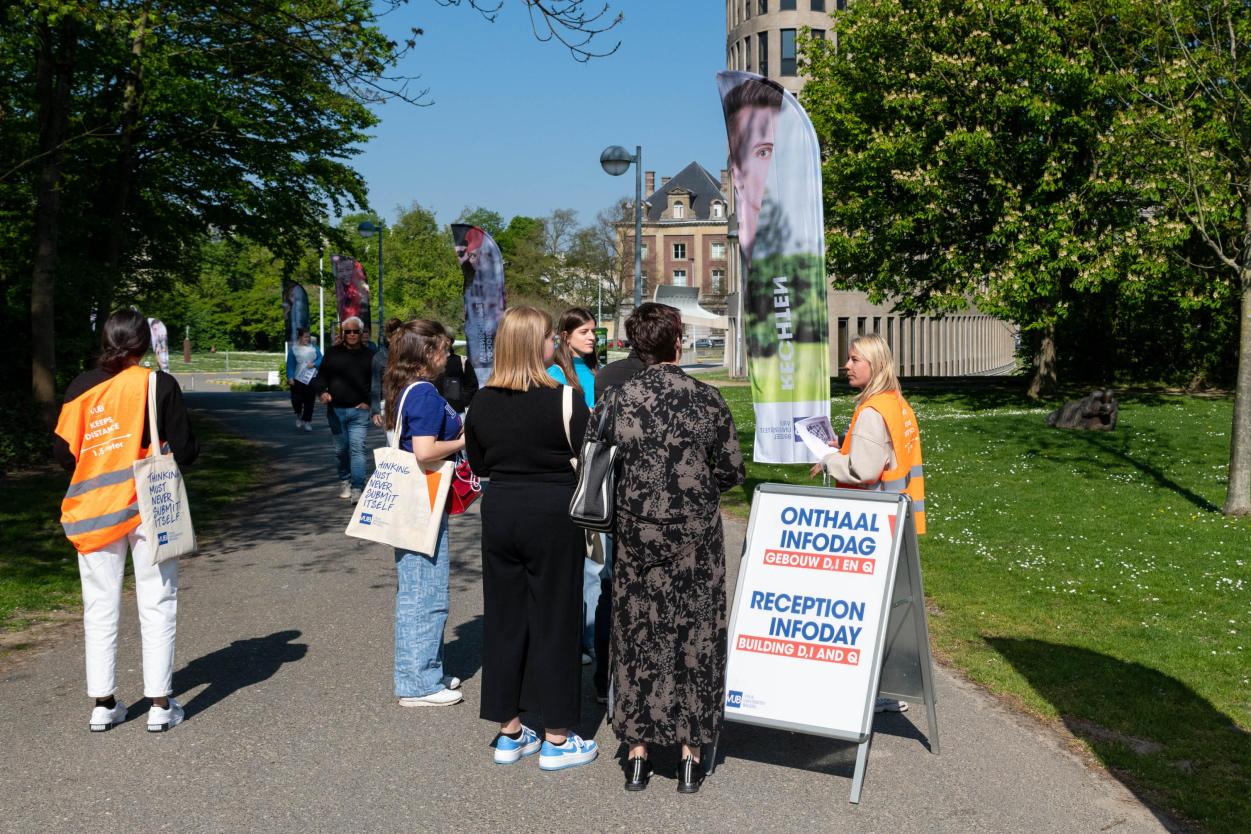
x=761, y=38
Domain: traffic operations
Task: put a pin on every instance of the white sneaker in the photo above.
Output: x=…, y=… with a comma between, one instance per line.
x=587, y=660
x=889, y=705
x=508, y=751
x=442, y=698
x=345, y=489
x=160, y=720
x=574, y=752
x=451, y=681
x=355, y=495
x=308, y=427
x=299, y=424
x=103, y=718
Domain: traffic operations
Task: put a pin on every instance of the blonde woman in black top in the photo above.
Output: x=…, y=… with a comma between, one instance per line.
x=515, y=434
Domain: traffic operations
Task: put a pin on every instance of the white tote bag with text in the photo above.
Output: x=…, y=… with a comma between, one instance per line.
x=164, y=513
x=402, y=504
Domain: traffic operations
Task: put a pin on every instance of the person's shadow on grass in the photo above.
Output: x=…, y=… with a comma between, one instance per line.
x=234, y=667
x=1167, y=743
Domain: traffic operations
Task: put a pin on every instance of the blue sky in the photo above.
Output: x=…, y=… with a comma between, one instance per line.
x=517, y=125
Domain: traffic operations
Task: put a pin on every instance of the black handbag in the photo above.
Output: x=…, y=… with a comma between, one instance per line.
x=592, y=505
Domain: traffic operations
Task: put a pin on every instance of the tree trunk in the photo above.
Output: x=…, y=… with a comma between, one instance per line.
x=1238, y=491
x=1044, y=382
x=53, y=68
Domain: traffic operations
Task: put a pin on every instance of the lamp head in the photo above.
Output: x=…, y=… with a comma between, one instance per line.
x=368, y=229
x=615, y=160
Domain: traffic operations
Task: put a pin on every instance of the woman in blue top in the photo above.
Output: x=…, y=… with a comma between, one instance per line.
x=576, y=359
x=431, y=430
x=575, y=362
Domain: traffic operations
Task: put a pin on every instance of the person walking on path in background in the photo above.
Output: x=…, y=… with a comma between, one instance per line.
x=302, y=364
x=377, y=367
x=343, y=383
x=516, y=435
x=102, y=430
x=882, y=447
x=609, y=377
x=430, y=429
x=678, y=451
x=575, y=363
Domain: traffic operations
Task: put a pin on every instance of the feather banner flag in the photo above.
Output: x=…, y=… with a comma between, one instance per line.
x=776, y=163
x=483, y=267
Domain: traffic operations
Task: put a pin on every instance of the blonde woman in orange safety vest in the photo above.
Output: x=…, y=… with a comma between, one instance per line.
x=102, y=431
x=882, y=447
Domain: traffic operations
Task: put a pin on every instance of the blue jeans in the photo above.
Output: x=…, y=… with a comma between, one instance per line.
x=591, y=583
x=348, y=427
x=421, y=603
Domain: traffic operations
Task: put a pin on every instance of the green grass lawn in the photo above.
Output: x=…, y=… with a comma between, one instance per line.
x=38, y=566
x=204, y=362
x=1091, y=579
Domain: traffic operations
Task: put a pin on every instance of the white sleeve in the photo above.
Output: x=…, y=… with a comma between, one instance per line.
x=871, y=452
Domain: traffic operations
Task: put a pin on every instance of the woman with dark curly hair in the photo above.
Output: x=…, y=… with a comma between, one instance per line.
x=678, y=452
x=101, y=432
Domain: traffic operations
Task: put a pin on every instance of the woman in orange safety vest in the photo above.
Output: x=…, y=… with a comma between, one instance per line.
x=101, y=432
x=882, y=447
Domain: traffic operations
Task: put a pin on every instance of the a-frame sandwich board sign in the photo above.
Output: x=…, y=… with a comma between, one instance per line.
x=829, y=613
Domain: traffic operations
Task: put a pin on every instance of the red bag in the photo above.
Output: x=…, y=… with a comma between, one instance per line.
x=465, y=488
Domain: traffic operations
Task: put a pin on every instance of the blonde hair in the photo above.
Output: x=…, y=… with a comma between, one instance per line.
x=519, y=350
x=876, y=351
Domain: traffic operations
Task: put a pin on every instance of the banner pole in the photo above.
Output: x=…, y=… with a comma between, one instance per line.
x=321, y=302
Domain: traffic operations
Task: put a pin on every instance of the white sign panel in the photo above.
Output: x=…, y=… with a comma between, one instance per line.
x=811, y=608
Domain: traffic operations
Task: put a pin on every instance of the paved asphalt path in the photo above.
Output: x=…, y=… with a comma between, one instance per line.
x=284, y=666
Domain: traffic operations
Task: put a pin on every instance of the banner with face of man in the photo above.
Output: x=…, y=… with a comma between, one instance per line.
x=351, y=290
x=776, y=163
x=483, y=267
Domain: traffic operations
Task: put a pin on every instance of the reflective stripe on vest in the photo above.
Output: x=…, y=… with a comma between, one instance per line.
x=908, y=474
x=103, y=427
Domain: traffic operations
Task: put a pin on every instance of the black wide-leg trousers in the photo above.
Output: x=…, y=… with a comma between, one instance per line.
x=532, y=603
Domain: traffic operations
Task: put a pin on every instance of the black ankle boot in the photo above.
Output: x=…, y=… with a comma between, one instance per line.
x=638, y=771
x=690, y=776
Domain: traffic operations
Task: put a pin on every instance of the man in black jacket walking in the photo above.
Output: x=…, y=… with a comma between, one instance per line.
x=344, y=383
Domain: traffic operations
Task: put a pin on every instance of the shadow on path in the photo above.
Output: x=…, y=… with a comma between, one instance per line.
x=237, y=666
x=1183, y=752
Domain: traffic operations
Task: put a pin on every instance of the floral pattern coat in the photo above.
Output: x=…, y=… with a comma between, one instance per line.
x=678, y=451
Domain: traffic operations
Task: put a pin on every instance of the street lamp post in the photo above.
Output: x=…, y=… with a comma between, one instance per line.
x=616, y=160
x=368, y=229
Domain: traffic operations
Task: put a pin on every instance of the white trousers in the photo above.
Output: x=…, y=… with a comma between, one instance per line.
x=156, y=592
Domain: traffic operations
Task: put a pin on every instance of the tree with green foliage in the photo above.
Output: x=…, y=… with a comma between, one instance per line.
x=135, y=129
x=491, y=222
x=961, y=161
x=1182, y=140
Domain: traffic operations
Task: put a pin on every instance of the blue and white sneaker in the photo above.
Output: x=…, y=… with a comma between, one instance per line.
x=575, y=751
x=508, y=751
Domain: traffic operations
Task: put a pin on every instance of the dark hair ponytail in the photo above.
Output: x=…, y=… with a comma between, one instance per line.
x=125, y=336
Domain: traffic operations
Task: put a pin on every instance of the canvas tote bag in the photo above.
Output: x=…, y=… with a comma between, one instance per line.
x=164, y=513
x=402, y=505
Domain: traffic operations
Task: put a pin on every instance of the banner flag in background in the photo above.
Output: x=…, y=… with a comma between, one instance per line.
x=776, y=164
x=295, y=309
x=483, y=266
x=351, y=290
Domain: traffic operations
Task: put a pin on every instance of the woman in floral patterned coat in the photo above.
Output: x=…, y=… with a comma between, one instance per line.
x=678, y=451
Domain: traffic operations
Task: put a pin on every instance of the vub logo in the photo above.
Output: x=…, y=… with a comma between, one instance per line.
x=734, y=699
x=367, y=518
x=162, y=538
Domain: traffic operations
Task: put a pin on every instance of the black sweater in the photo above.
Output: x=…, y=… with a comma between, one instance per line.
x=346, y=375
x=520, y=435
x=172, y=422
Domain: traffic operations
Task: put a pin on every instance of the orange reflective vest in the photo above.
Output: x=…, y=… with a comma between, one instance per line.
x=103, y=427
x=908, y=475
